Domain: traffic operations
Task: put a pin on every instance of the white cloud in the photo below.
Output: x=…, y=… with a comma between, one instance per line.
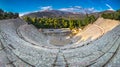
x=46, y=8
x=110, y=8
x=24, y=13
x=41, y=9
x=21, y=14
x=67, y=9
x=73, y=9
x=79, y=9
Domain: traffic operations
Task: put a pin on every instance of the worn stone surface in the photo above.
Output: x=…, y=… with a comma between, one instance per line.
x=17, y=49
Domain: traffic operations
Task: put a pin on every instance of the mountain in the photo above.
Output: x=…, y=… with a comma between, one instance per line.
x=63, y=14
x=97, y=14
x=55, y=14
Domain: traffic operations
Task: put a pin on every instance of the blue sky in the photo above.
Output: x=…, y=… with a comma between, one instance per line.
x=26, y=6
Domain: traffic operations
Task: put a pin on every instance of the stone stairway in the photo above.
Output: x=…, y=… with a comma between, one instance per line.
x=60, y=60
x=15, y=51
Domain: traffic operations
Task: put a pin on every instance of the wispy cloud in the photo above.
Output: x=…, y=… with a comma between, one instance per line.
x=40, y=9
x=69, y=9
x=110, y=8
x=79, y=9
x=23, y=13
x=46, y=8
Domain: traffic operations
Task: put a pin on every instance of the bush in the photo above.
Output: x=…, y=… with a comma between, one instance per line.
x=8, y=15
x=59, y=22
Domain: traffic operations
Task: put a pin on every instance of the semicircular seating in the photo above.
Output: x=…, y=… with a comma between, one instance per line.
x=21, y=45
x=25, y=52
x=32, y=35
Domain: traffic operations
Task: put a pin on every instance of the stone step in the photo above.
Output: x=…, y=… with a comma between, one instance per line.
x=60, y=59
x=0, y=46
x=60, y=62
x=115, y=61
x=59, y=66
x=107, y=56
x=4, y=62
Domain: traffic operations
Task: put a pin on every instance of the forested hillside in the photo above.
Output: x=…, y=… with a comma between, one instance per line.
x=50, y=19
x=60, y=22
x=115, y=15
x=7, y=15
x=55, y=14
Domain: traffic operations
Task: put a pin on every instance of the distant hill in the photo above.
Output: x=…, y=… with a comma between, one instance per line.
x=97, y=14
x=55, y=14
x=8, y=15
x=63, y=14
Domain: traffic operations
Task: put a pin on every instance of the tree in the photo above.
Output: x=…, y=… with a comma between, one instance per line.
x=104, y=15
x=59, y=22
x=92, y=18
x=28, y=19
x=55, y=23
x=16, y=15
x=8, y=15
x=65, y=25
x=115, y=15
x=71, y=24
x=79, y=23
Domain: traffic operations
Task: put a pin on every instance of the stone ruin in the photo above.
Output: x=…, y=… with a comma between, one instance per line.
x=22, y=45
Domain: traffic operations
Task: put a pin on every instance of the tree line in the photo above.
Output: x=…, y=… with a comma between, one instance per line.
x=7, y=15
x=59, y=22
x=114, y=15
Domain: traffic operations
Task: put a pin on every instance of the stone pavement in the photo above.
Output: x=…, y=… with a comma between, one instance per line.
x=17, y=49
